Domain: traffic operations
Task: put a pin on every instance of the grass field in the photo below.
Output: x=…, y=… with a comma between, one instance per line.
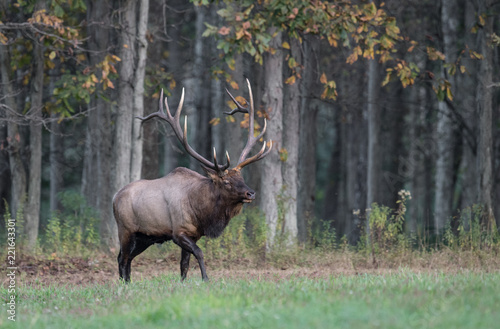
x=400, y=298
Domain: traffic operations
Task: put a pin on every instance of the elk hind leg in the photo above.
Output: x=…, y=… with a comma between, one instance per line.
x=185, y=255
x=128, y=251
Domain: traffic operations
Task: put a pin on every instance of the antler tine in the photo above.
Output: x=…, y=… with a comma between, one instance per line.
x=224, y=167
x=260, y=155
x=250, y=109
x=239, y=107
x=179, y=108
x=179, y=132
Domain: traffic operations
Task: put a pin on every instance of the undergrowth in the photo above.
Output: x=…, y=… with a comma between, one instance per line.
x=384, y=241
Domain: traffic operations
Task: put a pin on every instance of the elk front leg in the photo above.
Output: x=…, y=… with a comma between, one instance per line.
x=189, y=245
x=184, y=263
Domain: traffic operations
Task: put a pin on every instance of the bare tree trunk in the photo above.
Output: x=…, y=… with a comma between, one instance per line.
x=123, y=140
x=373, y=162
x=140, y=71
x=469, y=81
x=56, y=169
x=291, y=138
x=97, y=183
x=17, y=170
x=307, y=159
x=175, y=66
x=444, y=131
x=272, y=101
x=416, y=161
x=32, y=212
x=485, y=114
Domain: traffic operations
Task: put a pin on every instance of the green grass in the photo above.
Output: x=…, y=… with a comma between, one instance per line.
x=404, y=299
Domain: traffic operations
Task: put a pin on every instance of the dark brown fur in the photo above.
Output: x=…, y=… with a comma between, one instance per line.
x=182, y=206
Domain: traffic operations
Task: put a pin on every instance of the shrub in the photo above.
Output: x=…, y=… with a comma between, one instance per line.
x=75, y=228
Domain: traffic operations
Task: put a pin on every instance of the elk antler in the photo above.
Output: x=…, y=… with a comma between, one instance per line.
x=182, y=135
x=243, y=160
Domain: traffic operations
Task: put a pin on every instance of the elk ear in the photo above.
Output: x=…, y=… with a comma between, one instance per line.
x=212, y=174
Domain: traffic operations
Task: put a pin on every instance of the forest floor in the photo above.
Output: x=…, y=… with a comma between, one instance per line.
x=102, y=268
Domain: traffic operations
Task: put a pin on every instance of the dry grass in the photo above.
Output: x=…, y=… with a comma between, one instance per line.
x=102, y=268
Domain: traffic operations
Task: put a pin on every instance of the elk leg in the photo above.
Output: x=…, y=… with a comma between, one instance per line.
x=185, y=255
x=123, y=261
x=128, y=251
x=188, y=244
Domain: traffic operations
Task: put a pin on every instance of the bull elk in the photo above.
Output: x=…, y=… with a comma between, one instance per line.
x=183, y=206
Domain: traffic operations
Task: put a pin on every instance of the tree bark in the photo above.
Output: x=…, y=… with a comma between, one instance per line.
x=17, y=170
x=32, y=211
x=373, y=162
x=485, y=114
x=444, y=130
x=307, y=151
x=140, y=71
x=123, y=141
x=272, y=101
x=291, y=138
x=97, y=182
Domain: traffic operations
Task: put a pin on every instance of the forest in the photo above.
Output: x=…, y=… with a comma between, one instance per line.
x=368, y=104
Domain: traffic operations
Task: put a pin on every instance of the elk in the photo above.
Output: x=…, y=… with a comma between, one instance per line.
x=183, y=206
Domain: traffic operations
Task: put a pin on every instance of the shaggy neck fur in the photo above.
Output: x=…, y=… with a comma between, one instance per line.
x=216, y=212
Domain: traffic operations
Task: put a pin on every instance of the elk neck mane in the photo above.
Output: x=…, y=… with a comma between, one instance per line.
x=214, y=213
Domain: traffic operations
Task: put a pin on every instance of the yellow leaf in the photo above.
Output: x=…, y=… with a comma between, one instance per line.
x=125, y=45
x=234, y=85
x=290, y=80
x=52, y=55
x=463, y=69
x=172, y=85
x=323, y=78
x=448, y=93
x=285, y=45
x=214, y=121
x=3, y=38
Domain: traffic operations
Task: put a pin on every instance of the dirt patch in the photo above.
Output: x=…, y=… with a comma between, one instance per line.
x=103, y=268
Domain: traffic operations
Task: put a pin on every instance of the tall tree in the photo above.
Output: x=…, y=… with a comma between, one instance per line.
x=444, y=131
x=17, y=171
x=373, y=115
x=308, y=142
x=32, y=211
x=123, y=135
x=485, y=114
x=291, y=138
x=138, y=86
x=97, y=184
x=272, y=103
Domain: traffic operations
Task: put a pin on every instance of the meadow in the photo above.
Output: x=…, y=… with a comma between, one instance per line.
x=265, y=298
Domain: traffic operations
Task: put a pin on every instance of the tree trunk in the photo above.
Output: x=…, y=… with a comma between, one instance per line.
x=373, y=162
x=307, y=158
x=97, y=182
x=123, y=141
x=32, y=212
x=485, y=114
x=272, y=101
x=291, y=138
x=444, y=130
x=175, y=67
x=17, y=170
x=140, y=71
